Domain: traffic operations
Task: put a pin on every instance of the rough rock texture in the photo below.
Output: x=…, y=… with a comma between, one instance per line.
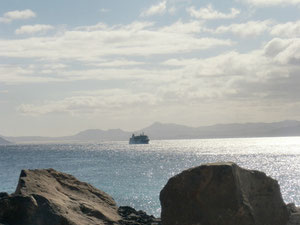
x=222, y=194
x=132, y=217
x=49, y=197
x=294, y=214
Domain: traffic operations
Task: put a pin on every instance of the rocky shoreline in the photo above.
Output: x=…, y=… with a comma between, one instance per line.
x=50, y=197
x=211, y=194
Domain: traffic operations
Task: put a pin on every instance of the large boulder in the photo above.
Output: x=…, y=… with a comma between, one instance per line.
x=222, y=194
x=49, y=197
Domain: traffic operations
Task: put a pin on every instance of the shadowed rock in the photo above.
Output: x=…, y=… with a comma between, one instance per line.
x=294, y=214
x=132, y=217
x=222, y=194
x=49, y=197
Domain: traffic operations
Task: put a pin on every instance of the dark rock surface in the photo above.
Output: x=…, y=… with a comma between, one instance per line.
x=211, y=194
x=294, y=214
x=222, y=194
x=3, y=195
x=132, y=217
x=49, y=197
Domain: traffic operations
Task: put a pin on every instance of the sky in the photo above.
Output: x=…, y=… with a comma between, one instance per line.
x=71, y=65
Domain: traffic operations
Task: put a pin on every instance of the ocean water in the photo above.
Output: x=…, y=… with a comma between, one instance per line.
x=135, y=174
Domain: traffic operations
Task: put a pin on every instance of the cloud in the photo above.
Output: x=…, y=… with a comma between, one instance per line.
x=181, y=27
x=224, y=66
x=285, y=52
x=160, y=8
x=289, y=30
x=135, y=39
x=265, y=3
x=209, y=13
x=249, y=29
x=112, y=70
x=113, y=53
x=275, y=46
x=103, y=101
x=116, y=63
x=17, y=74
x=255, y=28
x=265, y=76
x=259, y=81
x=32, y=29
x=17, y=15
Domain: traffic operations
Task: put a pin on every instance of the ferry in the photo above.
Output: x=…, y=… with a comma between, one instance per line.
x=139, y=139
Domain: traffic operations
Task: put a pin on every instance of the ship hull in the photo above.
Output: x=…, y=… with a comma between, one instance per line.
x=136, y=142
x=140, y=139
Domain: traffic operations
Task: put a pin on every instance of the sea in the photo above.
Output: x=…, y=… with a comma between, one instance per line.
x=135, y=174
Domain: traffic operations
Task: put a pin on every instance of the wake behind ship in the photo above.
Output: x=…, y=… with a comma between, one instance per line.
x=140, y=139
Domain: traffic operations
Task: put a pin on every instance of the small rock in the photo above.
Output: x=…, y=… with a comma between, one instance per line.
x=132, y=217
x=4, y=195
x=294, y=214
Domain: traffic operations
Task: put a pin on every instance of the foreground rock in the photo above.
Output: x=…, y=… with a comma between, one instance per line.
x=294, y=214
x=48, y=197
x=222, y=194
x=132, y=217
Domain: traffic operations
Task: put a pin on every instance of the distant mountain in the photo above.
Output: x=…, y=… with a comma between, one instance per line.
x=101, y=135
x=160, y=131
x=32, y=139
x=3, y=141
x=92, y=135
x=169, y=131
x=174, y=131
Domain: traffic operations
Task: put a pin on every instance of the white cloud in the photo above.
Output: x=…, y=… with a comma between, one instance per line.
x=275, y=46
x=91, y=103
x=228, y=65
x=269, y=74
x=289, y=30
x=212, y=77
x=180, y=27
x=160, y=8
x=16, y=74
x=209, y=13
x=32, y=29
x=17, y=15
x=4, y=20
x=239, y=81
x=251, y=28
x=255, y=28
x=285, y=52
x=111, y=53
x=136, y=39
x=105, y=70
x=265, y=3
x=116, y=63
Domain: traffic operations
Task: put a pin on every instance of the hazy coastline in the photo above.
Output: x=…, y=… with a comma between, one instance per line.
x=161, y=131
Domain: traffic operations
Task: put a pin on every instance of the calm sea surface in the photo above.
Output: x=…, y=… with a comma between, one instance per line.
x=134, y=174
